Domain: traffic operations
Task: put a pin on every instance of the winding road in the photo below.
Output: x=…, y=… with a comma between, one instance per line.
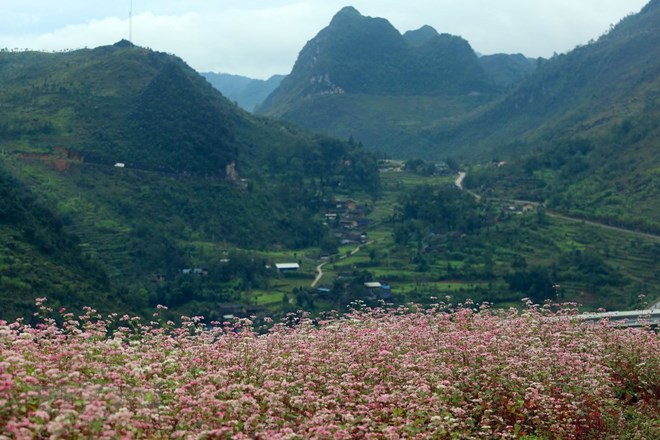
x=461, y=177
x=459, y=184
x=319, y=268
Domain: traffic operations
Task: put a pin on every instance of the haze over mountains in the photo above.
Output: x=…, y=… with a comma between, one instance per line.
x=246, y=92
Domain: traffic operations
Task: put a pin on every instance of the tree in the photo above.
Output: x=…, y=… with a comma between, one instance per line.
x=535, y=283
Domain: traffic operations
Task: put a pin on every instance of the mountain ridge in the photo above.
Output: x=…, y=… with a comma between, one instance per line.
x=246, y=92
x=356, y=62
x=583, y=129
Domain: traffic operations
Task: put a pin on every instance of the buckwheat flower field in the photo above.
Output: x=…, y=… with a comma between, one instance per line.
x=374, y=373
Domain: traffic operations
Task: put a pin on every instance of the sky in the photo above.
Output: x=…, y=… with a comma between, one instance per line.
x=259, y=38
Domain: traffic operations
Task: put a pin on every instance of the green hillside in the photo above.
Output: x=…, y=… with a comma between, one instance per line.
x=505, y=70
x=152, y=173
x=584, y=128
x=105, y=104
x=360, y=70
x=584, y=92
x=37, y=258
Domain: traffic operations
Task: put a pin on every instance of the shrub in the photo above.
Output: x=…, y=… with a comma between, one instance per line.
x=372, y=373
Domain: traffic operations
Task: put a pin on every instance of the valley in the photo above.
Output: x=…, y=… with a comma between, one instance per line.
x=163, y=191
x=419, y=257
x=401, y=238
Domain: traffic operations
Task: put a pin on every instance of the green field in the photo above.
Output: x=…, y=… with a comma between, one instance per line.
x=590, y=265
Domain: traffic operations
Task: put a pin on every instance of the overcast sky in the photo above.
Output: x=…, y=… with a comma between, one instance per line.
x=258, y=38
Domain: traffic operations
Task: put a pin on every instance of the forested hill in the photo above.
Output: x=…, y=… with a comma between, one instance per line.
x=365, y=55
x=124, y=103
x=586, y=91
x=584, y=126
x=105, y=103
x=360, y=77
x=138, y=167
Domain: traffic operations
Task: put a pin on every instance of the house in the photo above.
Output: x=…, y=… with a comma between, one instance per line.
x=194, y=271
x=386, y=291
x=348, y=223
x=349, y=205
x=287, y=267
x=441, y=169
x=379, y=290
x=120, y=165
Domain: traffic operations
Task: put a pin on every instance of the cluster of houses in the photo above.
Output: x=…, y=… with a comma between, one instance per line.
x=517, y=207
x=347, y=219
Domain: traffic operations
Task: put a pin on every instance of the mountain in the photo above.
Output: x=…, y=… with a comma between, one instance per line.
x=107, y=103
x=583, y=91
x=505, y=70
x=139, y=170
x=420, y=36
x=502, y=70
x=584, y=127
x=246, y=92
x=359, y=76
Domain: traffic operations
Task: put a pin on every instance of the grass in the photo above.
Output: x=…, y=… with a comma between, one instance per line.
x=103, y=233
x=636, y=259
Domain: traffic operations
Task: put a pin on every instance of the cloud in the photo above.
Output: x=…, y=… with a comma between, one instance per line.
x=91, y=34
x=258, y=38
x=254, y=42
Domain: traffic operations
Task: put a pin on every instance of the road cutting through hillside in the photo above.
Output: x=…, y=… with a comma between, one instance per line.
x=459, y=184
x=319, y=268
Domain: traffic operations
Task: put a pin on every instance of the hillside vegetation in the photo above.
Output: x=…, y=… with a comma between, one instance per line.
x=141, y=185
x=143, y=163
x=37, y=255
x=360, y=77
x=584, y=128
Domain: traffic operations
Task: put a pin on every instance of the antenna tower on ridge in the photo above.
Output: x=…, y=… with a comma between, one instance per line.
x=130, y=23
